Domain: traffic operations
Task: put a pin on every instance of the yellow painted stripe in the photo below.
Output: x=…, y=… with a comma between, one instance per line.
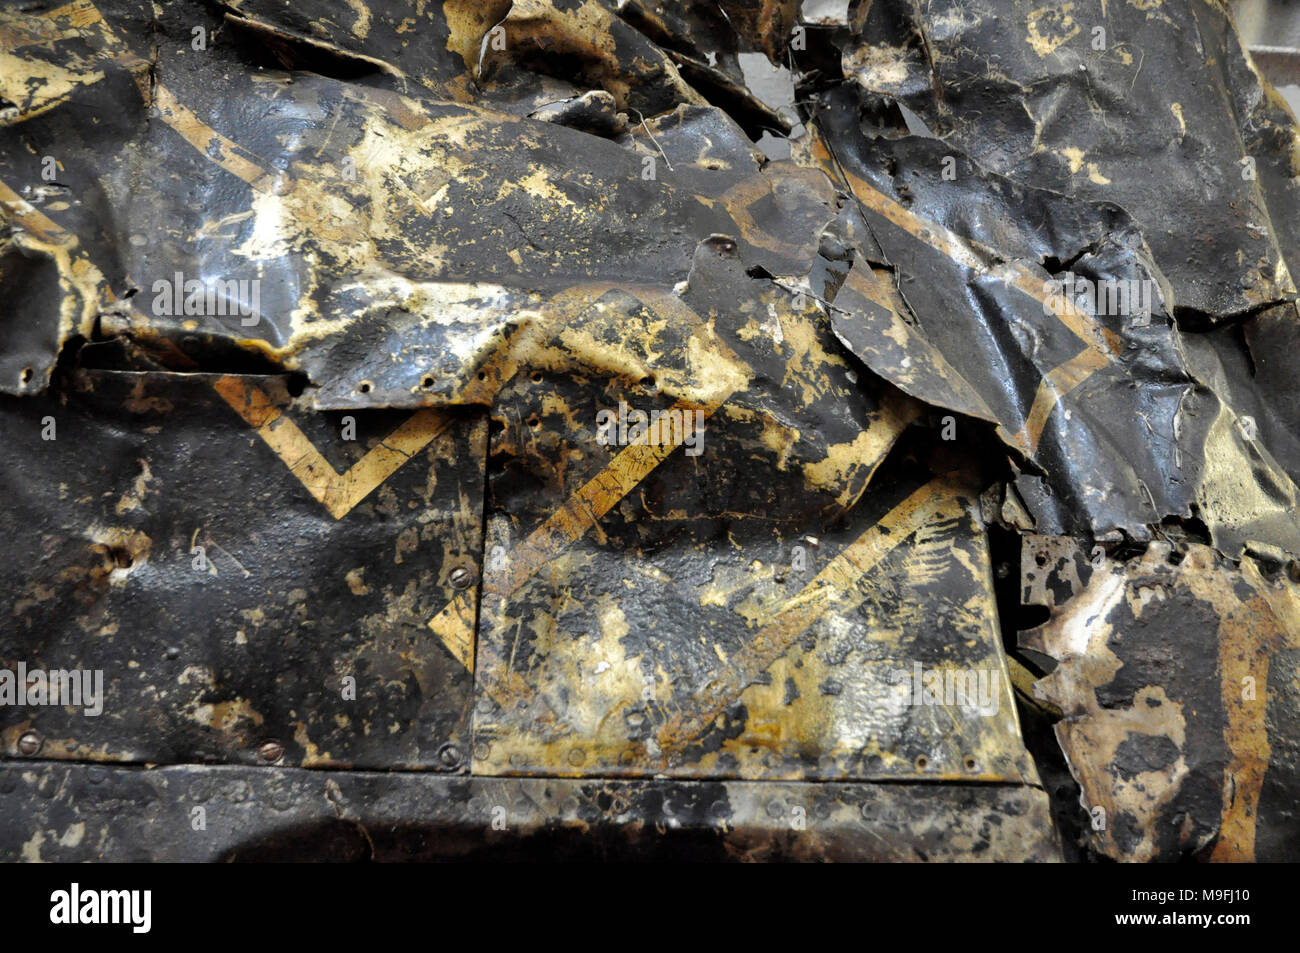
x=338, y=492
x=584, y=509
x=579, y=514
x=455, y=625
x=215, y=147
x=79, y=13
x=959, y=250
x=18, y=210
x=40, y=28
x=1016, y=275
x=1052, y=388
x=1104, y=345
x=1248, y=647
x=838, y=587
x=74, y=19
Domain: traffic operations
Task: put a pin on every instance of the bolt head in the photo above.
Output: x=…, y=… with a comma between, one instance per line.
x=29, y=743
x=462, y=577
x=449, y=755
x=270, y=752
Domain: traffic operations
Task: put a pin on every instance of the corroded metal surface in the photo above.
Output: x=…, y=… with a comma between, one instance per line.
x=80, y=813
x=1151, y=106
x=455, y=395
x=234, y=567
x=1177, y=679
x=715, y=656
x=1123, y=419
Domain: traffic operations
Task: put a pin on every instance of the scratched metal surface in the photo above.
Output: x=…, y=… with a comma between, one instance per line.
x=473, y=228
x=228, y=575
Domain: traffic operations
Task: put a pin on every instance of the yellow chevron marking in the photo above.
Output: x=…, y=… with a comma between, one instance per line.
x=455, y=625
x=1103, y=344
x=1058, y=382
x=338, y=492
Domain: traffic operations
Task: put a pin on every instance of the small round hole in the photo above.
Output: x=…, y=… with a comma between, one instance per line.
x=364, y=387
x=969, y=764
x=27, y=374
x=922, y=763
x=648, y=381
x=482, y=375
x=534, y=421
x=537, y=377
x=426, y=381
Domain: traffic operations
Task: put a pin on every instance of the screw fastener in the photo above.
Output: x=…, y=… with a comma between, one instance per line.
x=449, y=755
x=270, y=752
x=29, y=743
x=462, y=577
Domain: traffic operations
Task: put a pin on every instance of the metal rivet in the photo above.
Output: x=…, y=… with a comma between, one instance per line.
x=270, y=752
x=29, y=743
x=462, y=577
x=449, y=755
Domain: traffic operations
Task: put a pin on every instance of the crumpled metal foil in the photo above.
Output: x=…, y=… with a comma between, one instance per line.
x=520, y=410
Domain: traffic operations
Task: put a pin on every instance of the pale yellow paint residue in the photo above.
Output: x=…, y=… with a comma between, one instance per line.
x=1077, y=163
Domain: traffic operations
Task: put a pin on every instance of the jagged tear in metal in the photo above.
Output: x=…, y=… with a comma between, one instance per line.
x=454, y=396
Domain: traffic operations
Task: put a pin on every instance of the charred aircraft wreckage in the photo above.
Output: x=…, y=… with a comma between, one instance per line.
x=475, y=428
